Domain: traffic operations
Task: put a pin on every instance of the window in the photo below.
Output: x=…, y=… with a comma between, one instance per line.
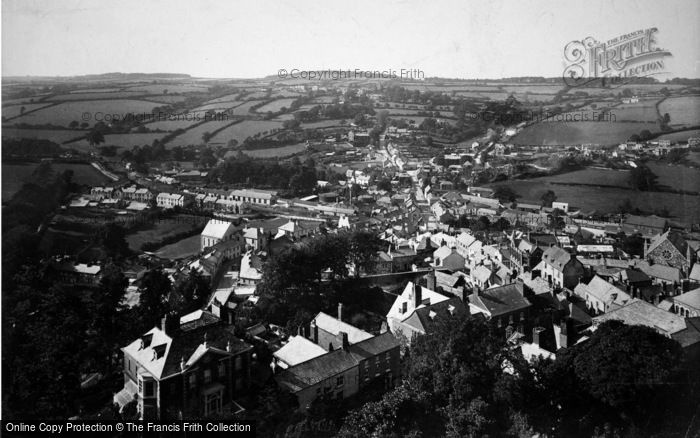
x=239, y=363
x=207, y=377
x=150, y=389
x=192, y=381
x=340, y=381
x=222, y=369
x=213, y=403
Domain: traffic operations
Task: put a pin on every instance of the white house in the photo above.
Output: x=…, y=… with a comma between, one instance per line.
x=217, y=231
x=170, y=200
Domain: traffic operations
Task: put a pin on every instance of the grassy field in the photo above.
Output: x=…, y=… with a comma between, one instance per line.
x=606, y=200
x=684, y=111
x=574, y=133
x=217, y=106
x=283, y=151
x=227, y=98
x=644, y=111
x=15, y=110
x=89, y=111
x=677, y=176
x=171, y=88
x=15, y=175
x=245, y=129
x=194, y=135
x=681, y=136
x=179, y=250
x=275, y=105
x=163, y=228
x=244, y=109
x=172, y=125
x=55, y=135
x=121, y=140
x=321, y=124
x=96, y=96
x=166, y=98
x=419, y=119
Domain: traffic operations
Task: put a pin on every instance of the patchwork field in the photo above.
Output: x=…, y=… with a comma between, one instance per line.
x=280, y=152
x=275, y=106
x=574, y=133
x=89, y=111
x=170, y=88
x=227, y=98
x=54, y=135
x=194, y=135
x=217, y=106
x=172, y=125
x=245, y=129
x=96, y=96
x=677, y=176
x=684, y=111
x=243, y=109
x=121, y=140
x=11, y=111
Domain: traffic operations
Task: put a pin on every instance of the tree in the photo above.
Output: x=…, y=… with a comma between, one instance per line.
x=108, y=305
x=95, y=137
x=363, y=250
x=155, y=287
x=189, y=293
x=206, y=137
x=547, y=198
x=504, y=194
x=642, y=178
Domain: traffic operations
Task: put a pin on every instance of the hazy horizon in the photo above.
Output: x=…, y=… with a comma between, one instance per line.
x=216, y=39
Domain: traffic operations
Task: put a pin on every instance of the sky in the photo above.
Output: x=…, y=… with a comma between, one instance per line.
x=224, y=38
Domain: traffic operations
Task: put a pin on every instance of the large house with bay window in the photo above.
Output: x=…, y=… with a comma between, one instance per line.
x=186, y=368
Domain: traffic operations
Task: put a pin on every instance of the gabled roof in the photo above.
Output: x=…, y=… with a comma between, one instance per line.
x=298, y=350
x=695, y=272
x=690, y=299
x=500, y=300
x=334, y=326
x=556, y=257
x=428, y=296
x=674, y=238
x=335, y=362
x=162, y=355
x=426, y=317
x=481, y=273
x=603, y=291
x=217, y=229
x=662, y=272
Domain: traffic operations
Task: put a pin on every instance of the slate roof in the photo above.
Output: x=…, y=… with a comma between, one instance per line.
x=425, y=318
x=639, y=312
x=674, y=238
x=298, y=350
x=500, y=300
x=334, y=326
x=161, y=354
x=556, y=257
x=690, y=298
x=335, y=362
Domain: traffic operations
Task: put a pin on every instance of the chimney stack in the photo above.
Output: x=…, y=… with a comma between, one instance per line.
x=417, y=295
x=431, y=280
x=340, y=311
x=343, y=341
x=536, y=335
x=314, y=332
